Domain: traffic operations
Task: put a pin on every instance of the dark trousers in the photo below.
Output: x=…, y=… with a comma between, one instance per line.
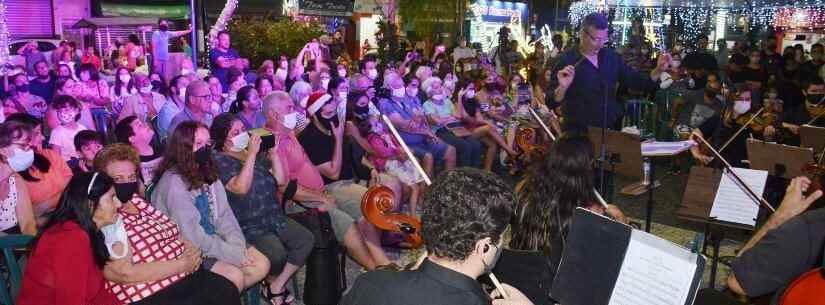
x=467, y=149
x=291, y=245
x=200, y=288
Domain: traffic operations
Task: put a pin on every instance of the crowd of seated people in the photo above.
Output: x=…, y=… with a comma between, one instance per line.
x=163, y=192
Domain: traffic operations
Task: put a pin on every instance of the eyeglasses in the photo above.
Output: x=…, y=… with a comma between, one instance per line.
x=598, y=40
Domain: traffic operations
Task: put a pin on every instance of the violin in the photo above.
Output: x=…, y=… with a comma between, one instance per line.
x=377, y=205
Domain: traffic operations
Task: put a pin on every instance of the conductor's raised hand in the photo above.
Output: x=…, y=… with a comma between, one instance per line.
x=566, y=76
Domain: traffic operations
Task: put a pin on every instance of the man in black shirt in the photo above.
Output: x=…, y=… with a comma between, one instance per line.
x=789, y=244
x=462, y=228
x=43, y=84
x=589, y=75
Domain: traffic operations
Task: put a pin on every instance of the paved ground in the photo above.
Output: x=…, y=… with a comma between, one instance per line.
x=665, y=224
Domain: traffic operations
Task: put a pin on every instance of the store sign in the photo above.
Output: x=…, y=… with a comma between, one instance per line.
x=326, y=7
x=500, y=11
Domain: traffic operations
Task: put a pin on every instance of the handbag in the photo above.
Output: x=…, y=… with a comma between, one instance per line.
x=325, y=267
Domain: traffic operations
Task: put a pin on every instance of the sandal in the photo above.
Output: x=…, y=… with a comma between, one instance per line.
x=273, y=297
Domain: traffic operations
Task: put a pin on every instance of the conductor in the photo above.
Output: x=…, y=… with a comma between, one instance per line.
x=588, y=76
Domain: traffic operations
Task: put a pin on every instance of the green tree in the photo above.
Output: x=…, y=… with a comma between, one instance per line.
x=261, y=39
x=427, y=18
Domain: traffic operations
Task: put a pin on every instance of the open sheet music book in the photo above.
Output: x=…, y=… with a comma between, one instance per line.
x=606, y=262
x=733, y=203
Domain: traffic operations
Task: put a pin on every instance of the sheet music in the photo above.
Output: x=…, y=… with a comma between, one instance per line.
x=654, y=271
x=732, y=202
x=665, y=148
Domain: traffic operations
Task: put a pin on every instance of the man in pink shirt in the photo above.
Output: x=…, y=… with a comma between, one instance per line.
x=361, y=238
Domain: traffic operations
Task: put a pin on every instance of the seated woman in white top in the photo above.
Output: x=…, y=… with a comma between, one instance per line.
x=16, y=214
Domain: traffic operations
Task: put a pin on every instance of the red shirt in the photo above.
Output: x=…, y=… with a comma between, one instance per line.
x=91, y=59
x=62, y=270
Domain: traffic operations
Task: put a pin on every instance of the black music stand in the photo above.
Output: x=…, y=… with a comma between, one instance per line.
x=813, y=137
x=697, y=202
x=779, y=160
x=628, y=149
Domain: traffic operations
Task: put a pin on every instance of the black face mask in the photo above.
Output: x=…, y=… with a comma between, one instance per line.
x=328, y=122
x=43, y=77
x=156, y=84
x=125, y=191
x=362, y=110
x=163, y=27
x=202, y=155
x=815, y=98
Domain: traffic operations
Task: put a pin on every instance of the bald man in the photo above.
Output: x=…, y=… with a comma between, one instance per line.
x=198, y=105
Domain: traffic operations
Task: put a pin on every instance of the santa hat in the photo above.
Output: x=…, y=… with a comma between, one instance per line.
x=317, y=100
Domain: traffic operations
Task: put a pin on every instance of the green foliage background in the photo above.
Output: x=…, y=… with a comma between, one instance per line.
x=427, y=18
x=261, y=39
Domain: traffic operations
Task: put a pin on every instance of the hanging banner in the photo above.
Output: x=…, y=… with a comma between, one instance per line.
x=326, y=7
x=500, y=11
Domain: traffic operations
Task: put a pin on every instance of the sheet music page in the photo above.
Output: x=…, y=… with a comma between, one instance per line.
x=666, y=148
x=654, y=271
x=732, y=202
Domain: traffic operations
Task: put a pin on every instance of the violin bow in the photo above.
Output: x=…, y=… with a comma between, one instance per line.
x=729, y=168
x=814, y=119
x=552, y=137
x=730, y=140
x=406, y=150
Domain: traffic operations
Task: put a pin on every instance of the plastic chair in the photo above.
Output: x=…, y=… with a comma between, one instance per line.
x=8, y=244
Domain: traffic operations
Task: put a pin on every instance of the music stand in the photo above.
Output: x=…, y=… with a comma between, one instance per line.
x=627, y=148
x=697, y=202
x=778, y=160
x=813, y=137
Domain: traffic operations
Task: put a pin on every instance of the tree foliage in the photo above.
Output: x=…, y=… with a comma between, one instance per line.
x=261, y=39
x=427, y=18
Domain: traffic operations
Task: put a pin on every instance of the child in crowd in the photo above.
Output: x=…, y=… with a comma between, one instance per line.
x=62, y=136
x=88, y=143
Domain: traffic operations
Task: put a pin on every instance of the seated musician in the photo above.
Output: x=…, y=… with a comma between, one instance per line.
x=815, y=99
x=462, y=229
x=548, y=196
x=789, y=115
x=789, y=244
x=726, y=132
x=470, y=113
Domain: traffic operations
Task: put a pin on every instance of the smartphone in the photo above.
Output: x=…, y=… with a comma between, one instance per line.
x=268, y=142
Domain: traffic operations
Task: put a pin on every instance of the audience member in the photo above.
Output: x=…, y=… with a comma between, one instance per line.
x=16, y=154
x=88, y=144
x=61, y=138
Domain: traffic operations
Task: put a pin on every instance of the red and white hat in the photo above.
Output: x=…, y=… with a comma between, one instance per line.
x=317, y=100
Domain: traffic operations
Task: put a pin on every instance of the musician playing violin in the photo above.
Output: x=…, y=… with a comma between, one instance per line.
x=727, y=132
x=789, y=244
x=815, y=99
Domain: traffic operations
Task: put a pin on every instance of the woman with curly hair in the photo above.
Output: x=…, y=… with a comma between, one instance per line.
x=548, y=196
x=189, y=192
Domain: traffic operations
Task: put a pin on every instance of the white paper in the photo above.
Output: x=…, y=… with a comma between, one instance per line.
x=733, y=203
x=655, y=272
x=666, y=148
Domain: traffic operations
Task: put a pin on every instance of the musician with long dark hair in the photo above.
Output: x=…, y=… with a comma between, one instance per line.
x=548, y=196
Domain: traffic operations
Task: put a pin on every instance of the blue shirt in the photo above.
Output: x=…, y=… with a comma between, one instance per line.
x=160, y=40
x=219, y=72
x=584, y=100
x=165, y=116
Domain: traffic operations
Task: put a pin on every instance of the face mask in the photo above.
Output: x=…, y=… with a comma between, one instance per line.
x=240, y=142
x=284, y=65
x=66, y=117
x=773, y=95
x=113, y=234
x=146, y=89
x=185, y=71
x=163, y=27
x=182, y=93
x=329, y=122
x=124, y=191
x=156, y=84
x=290, y=120
x=342, y=96
x=372, y=74
x=22, y=88
x=438, y=97
x=489, y=267
x=325, y=83
x=84, y=77
x=740, y=107
x=815, y=98
x=412, y=92
x=400, y=92
x=280, y=74
x=20, y=160
x=361, y=110
x=43, y=77
x=342, y=73
x=126, y=78
x=676, y=63
x=470, y=94
x=202, y=155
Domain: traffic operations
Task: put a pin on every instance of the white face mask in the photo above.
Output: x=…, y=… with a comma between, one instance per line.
x=185, y=71
x=342, y=96
x=400, y=92
x=290, y=120
x=740, y=107
x=470, y=94
x=281, y=74
x=325, y=83
x=412, y=92
x=182, y=93
x=342, y=73
x=240, y=142
x=113, y=234
x=773, y=95
x=676, y=63
x=20, y=160
x=125, y=78
x=66, y=117
x=438, y=97
x=372, y=74
x=146, y=90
